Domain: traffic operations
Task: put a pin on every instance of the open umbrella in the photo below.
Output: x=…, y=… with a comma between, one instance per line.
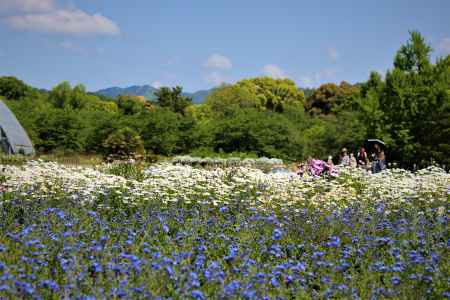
x=369, y=144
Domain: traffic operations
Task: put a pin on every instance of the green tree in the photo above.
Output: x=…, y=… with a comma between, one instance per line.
x=124, y=143
x=130, y=105
x=59, y=129
x=226, y=99
x=166, y=132
x=330, y=98
x=273, y=94
x=173, y=99
x=414, y=56
x=13, y=88
x=253, y=131
x=61, y=94
x=414, y=101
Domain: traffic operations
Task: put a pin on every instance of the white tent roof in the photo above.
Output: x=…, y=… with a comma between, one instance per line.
x=16, y=136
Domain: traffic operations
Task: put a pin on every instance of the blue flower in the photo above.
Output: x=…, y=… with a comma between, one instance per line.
x=398, y=267
x=232, y=287
x=50, y=284
x=4, y=287
x=299, y=267
x=96, y=267
x=249, y=293
x=198, y=295
x=395, y=280
x=214, y=273
x=274, y=282
x=334, y=241
x=276, y=234
x=318, y=254
x=193, y=280
x=25, y=286
x=232, y=252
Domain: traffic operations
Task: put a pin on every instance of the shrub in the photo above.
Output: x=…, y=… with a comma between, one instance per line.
x=124, y=143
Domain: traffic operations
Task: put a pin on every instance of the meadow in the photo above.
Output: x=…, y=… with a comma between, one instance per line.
x=178, y=231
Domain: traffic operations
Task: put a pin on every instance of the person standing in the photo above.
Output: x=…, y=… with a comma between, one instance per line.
x=379, y=164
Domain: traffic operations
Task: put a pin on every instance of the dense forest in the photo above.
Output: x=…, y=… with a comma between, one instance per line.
x=408, y=108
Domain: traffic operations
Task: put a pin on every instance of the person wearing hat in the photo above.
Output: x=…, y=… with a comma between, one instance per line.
x=345, y=159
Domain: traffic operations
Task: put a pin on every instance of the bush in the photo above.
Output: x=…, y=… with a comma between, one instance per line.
x=124, y=144
x=13, y=159
x=127, y=170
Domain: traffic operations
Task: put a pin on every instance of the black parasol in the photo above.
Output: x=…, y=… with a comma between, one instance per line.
x=369, y=144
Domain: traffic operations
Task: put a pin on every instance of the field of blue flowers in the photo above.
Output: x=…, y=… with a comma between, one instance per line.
x=356, y=237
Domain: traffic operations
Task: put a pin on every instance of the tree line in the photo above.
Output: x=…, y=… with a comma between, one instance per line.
x=408, y=108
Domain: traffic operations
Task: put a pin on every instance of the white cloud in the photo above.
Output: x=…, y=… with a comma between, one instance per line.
x=65, y=21
x=70, y=46
x=444, y=45
x=27, y=6
x=317, y=78
x=273, y=71
x=67, y=45
x=326, y=73
x=156, y=84
x=78, y=49
x=333, y=53
x=215, y=78
x=217, y=61
x=306, y=81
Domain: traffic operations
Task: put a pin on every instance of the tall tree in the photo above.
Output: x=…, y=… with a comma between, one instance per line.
x=273, y=94
x=173, y=99
x=13, y=88
x=330, y=97
x=415, y=96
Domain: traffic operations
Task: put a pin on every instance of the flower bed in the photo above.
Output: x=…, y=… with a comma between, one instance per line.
x=185, y=232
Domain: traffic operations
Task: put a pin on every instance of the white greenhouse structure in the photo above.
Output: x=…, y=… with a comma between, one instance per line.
x=13, y=138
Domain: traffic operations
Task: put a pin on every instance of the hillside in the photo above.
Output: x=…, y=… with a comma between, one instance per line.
x=148, y=92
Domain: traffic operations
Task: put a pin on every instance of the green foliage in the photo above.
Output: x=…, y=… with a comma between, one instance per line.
x=173, y=99
x=414, y=56
x=64, y=96
x=408, y=108
x=128, y=170
x=273, y=94
x=130, y=105
x=225, y=100
x=124, y=143
x=415, y=102
x=330, y=98
x=13, y=88
x=166, y=132
x=59, y=129
x=264, y=133
x=13, y=160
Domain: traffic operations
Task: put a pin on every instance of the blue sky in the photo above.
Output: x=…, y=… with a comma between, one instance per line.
x=198, y=44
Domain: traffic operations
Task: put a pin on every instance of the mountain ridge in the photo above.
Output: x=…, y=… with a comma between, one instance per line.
x=148, y=92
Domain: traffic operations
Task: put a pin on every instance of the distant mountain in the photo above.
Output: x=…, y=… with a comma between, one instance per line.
x=137, y=90
x=199, y=96
x=148, y=92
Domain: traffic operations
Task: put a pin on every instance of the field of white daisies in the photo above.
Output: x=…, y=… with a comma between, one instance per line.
x=177, y=231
